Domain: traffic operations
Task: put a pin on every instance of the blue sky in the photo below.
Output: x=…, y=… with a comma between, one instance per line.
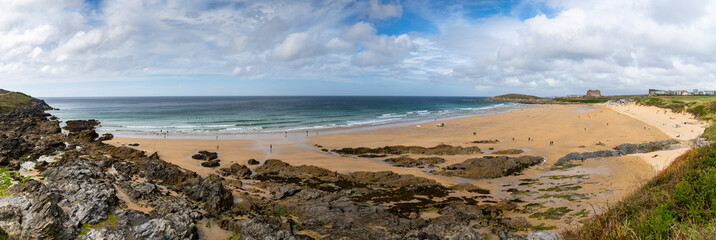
x=355, y=47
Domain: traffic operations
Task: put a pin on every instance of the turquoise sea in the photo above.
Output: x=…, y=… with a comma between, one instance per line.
x=239, y=115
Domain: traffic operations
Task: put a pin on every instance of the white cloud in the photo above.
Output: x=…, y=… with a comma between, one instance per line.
x=298, y=45
x=384, y=11
x=613, y=45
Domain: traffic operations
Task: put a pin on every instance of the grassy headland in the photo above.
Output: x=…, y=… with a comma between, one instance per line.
x=679, y=203
x=9, y=101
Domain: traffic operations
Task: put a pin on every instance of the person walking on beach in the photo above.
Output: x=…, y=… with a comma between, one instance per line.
x=270, y=147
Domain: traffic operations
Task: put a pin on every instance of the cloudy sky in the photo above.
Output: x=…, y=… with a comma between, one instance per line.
x=355, y=47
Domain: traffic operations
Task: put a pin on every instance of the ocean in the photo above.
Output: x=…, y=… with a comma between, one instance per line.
x=131, y=116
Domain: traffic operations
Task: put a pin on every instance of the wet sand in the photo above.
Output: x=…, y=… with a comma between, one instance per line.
x=573, y=128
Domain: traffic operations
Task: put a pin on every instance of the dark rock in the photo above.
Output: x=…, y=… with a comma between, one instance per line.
x=205, y=155
x=210, y=192
x=470, y=188
x=252, y=162
x=212, y=163
x=623, y=149
x=489, y=166
x=508, y=151
x=90, y=195
x=80, y=125
x=105, y=137
x=238, y=170
x=441, y=149
x=137, y=190
x=154, y=169
x=405, y=161
x=254, y=229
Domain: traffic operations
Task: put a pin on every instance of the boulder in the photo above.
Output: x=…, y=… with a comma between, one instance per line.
x=210, y=191
x=237, y=170
x=212, y=163
x=542, y=235
x=205, y=155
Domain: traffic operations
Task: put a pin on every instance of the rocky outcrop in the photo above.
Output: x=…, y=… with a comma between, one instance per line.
x=489, y=166
x=212, y=163
x=34, y=212
x=622, y=149
x=205, y=155
x=441, y=149
x=79, y=196
x=236, y=170
x=90, y=195
x=405, y=161
x=210, y=191
x=508, y=151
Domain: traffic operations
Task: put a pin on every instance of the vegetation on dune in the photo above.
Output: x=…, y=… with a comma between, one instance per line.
x=9, y=101
x=710, y=133
x=701, y=106
x=679, y=203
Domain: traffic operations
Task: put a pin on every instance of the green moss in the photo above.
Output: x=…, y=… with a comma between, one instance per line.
x=234, y=235
x=9, y=178
x=543, y=227
x=560, y=177
x=566, y=166
x=568, y=197
x=561, y=188
x=552, y=213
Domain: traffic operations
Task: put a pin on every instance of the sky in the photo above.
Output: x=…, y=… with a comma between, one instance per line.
x=52, y=48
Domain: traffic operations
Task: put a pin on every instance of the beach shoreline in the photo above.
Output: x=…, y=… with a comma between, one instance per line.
x=311, y=130
x=572, y=128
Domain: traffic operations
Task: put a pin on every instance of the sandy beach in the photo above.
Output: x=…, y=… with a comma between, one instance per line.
x=572, y=128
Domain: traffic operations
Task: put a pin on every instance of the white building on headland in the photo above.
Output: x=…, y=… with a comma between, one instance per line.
x=680, y=92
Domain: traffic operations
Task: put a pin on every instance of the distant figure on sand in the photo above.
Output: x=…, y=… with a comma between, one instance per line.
x=474, y=133
x=270, y=147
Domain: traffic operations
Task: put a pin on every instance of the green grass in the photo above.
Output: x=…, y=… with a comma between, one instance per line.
x=710, y=133
x=9, y=101
x=679, y=203
x=542, y=227
x=699, y=106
